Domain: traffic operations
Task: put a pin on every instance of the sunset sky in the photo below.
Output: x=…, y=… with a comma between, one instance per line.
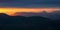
x=12, y=6
x=11, y=11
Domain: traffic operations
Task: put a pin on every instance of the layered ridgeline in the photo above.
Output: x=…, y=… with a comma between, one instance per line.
x=52, y=15
x=27, y=23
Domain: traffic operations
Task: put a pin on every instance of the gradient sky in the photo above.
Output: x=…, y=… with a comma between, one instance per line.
x=30, y=3
x=11, y=11
x=12, y=6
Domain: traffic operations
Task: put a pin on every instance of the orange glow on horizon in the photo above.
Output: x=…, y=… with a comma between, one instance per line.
x=11, y=11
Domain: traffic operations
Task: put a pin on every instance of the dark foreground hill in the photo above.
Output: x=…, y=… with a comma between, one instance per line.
x=27, y=23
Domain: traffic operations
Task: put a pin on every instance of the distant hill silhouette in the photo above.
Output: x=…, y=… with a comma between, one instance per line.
x=3, y=14
x=27, y=23
x=44, y=14
x=52, y=15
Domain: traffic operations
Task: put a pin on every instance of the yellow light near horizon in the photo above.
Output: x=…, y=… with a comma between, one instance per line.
x=35, y=10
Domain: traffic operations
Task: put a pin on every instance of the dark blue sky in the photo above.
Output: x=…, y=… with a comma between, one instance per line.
x=30, y=3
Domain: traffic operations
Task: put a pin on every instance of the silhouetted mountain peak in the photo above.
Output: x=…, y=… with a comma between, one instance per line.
x=3, y=14
x=44, y=11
